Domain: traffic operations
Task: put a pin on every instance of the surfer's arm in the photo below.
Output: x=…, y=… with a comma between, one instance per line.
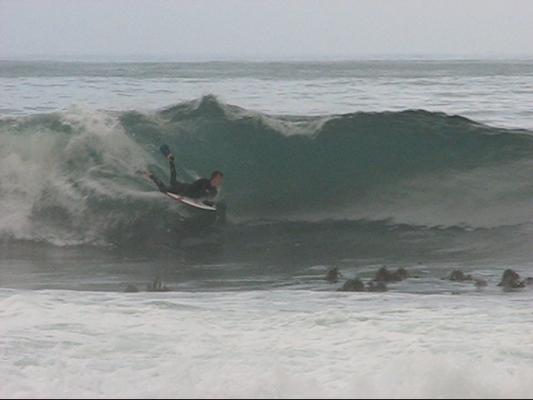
x=172, y=171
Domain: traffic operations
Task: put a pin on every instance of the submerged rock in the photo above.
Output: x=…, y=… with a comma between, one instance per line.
x=480, y=283
x=401, y=274
x=511, y=280
x=131, y=289
x=356, y=285
x=384, y=275
x=374, y=286
x=333, y=275
x=353, y=285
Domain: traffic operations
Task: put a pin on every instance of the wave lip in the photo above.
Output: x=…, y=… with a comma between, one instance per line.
x=338, y=165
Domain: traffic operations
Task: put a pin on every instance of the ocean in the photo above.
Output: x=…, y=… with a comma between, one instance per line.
x=109, y=288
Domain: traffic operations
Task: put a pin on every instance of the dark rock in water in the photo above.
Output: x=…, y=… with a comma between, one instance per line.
x=157, y=286
x=384, y=275
x=333, y=275
x=353, y=285
x=511, y=280
x=374, y=286
x=459, y=276
x=131, y=289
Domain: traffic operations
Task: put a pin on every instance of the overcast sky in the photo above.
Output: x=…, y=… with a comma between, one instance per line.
x=225, y=29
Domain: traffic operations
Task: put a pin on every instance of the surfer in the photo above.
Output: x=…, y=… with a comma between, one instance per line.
x=200, y=189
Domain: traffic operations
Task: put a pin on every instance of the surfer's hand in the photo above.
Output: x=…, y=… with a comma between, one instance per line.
x=170, y=157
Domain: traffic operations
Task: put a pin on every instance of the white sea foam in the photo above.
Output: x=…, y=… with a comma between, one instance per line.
x=44, y=169
x=263, y=344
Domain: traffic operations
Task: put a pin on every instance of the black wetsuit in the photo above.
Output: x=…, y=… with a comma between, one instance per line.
x=201, y=188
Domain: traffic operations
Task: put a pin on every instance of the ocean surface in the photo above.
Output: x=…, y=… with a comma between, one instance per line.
x=109, y=288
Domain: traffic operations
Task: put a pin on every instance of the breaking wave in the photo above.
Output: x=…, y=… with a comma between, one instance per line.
x=70, y=178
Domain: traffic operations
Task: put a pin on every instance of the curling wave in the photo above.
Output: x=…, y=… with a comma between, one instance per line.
x=69, y=178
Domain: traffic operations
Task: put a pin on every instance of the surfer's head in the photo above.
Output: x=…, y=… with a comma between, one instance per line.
x=217, y=178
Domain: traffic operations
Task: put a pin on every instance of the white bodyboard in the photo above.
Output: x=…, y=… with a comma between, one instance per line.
x=191, y=202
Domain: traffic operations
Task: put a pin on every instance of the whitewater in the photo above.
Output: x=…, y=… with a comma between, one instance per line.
x=107, y=288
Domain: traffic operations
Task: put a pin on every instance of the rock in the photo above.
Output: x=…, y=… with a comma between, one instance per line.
x=459, y=276
x=157, y=286
x=353, y=285
x=333, y=275
x=374, y=286
x=383, y=275
x=511, y=280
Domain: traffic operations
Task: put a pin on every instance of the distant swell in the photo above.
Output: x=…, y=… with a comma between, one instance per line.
x=70, y=178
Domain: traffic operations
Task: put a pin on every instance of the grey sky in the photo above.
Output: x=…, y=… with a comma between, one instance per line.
x=221, y=29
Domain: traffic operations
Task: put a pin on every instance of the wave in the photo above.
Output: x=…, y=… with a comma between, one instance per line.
x=69, y=178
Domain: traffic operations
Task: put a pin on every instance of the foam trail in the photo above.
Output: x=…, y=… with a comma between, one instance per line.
x=247, y=345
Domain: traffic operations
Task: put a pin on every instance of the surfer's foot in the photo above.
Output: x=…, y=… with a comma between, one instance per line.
x=145, y=174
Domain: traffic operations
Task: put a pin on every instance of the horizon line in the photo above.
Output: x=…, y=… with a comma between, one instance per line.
x=262, y=58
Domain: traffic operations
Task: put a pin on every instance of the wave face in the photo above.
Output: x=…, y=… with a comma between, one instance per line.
x=69, y=178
